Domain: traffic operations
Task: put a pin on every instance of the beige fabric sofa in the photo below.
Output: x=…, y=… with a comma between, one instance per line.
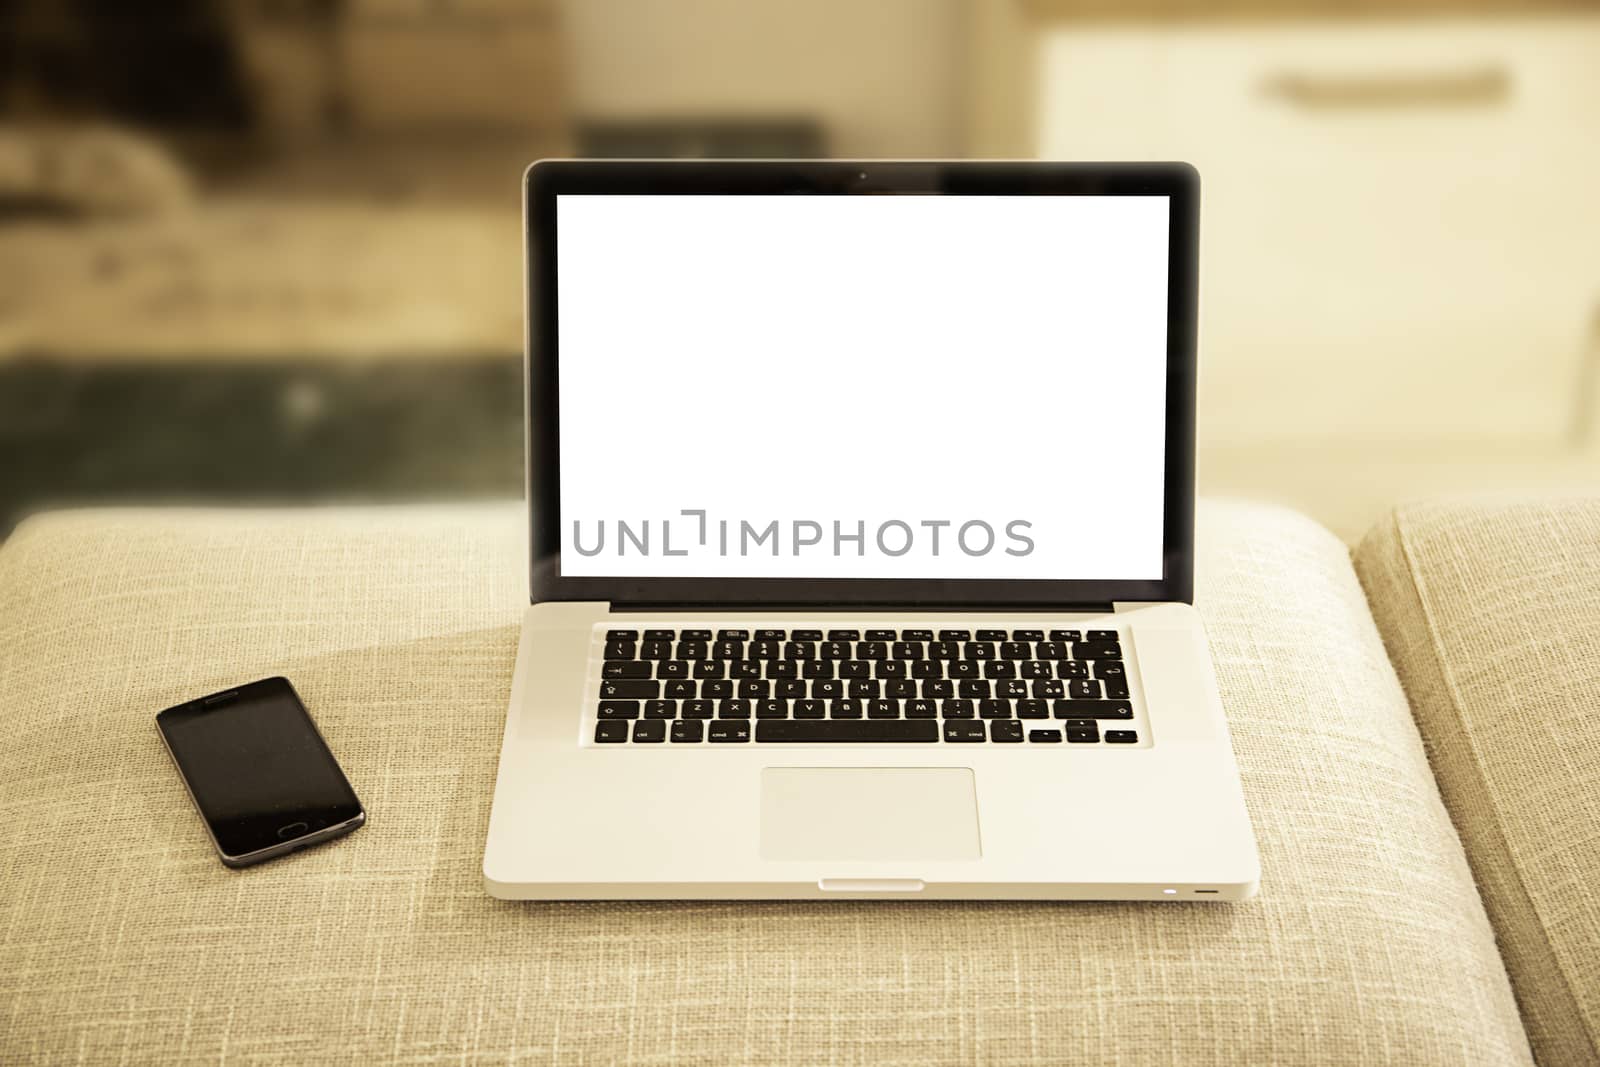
x=1439, y=912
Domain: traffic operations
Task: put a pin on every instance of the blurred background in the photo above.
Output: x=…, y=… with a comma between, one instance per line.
x=268, y=250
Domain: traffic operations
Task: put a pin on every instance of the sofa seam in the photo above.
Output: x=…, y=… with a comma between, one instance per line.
x=1419, y=588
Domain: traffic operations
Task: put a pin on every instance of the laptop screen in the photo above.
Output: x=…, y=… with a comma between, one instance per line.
x=962, y=387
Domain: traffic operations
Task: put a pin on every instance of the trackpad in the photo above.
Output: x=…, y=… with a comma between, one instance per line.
x=869, y=813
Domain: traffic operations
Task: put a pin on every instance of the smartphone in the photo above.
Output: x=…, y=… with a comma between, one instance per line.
x=263, y=778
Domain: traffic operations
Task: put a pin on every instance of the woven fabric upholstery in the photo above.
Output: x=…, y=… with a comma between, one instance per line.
x=1491, y=611
x=123, y=940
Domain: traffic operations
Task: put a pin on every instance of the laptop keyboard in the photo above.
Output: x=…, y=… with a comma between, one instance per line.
x=739, y=686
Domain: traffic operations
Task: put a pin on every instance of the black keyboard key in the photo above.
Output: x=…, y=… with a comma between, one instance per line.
x=944, y=650
x=1050, y=650
x=1049, y=689
x=611, y=733
x=871, y=649
x=1066, y=635
x=671, y=668
x=661, y=709
x=977, y=650
x=679, y=690
x=836, y=649
x=1121, y=737
x=1116, y=688
x=656, y=650
x=744, y=668
x=810, y=709
x=806, y=635
x=1037, y=669
x=754, y=689
x=939, y=688
x=622, y=635
x=964, y=732
x=764, y=649
x=880, y=635
x=865, y=688
x=1045, y=736
x=696, y=709
x=1092, y=709
x=727, y=649
x=621, y=650
x=649, y=732
x=963, y=668
x=616, y=668
x=1015, y=650
x=1102, y=635
x=1110, y=668
x=1081, y=724
x=991, y=635
x=789, y=689
x=883, y=709
x=709, y=668
x=772, y=635
x=629, y=689
x=1083, y=689
x=733, y=635
x=1096, y=650
x=955, y=635
x=974, y=687
x=817, y=668
x=844, y=635
x=1011, y=688
x=1027, y=635
x=1005, y=731
x=906, y=650
x=1082, y=736
x=827, y=688
x=855, y=668
x=920, y=709
x=694, y=635
x=887, y=730
x=783, y=668
x=956, y=709
x=733, y=709
x=687, y=732
x=1000, y=668
x=799, y=650
x=717, y=688
x=660, y=635
x=844, y=709
x=900, y=688
x=728, y=732
x=916, y=635
x=1032, y=709
x=1071, y=668
x=892, y=668
x=772, y=709
x=994, y=709
x=927, y=668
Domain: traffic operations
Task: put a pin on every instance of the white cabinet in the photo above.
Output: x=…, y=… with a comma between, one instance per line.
x=1400, y=218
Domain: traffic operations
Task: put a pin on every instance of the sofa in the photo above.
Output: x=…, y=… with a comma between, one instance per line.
x=1417, y=724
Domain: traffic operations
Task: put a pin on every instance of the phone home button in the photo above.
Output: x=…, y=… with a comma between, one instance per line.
x=294, y=829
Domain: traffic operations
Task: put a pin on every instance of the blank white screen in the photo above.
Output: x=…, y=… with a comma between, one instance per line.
x=888, y=363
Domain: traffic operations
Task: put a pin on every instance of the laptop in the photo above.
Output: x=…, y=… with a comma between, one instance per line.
x=861, y=514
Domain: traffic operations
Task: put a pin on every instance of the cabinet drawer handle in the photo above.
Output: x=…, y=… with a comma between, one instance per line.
x=1475, y=87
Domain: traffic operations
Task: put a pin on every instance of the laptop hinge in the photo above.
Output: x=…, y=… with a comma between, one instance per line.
x=767, y=606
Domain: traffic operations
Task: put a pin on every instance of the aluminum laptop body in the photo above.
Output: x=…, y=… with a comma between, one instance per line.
x=861, y=546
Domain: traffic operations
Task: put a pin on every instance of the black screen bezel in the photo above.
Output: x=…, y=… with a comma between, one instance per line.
x=548, y=179
x=240, y=837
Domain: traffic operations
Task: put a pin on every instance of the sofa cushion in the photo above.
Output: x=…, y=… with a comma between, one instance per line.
x=1491, y=612
x=123, y=939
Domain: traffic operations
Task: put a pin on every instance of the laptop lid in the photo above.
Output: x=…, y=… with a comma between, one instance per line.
x=895, y=384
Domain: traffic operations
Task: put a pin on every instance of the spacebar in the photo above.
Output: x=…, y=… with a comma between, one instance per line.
x=846, y=730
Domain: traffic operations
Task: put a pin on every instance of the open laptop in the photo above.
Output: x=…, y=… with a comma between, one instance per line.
x=861, y=507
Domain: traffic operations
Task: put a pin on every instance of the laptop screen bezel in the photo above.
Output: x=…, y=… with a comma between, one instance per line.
x=548, y=179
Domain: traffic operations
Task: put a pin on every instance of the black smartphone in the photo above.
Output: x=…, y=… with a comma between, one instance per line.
x=263, y=778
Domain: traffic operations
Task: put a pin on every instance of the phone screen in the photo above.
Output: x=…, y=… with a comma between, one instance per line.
x=257, y=768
